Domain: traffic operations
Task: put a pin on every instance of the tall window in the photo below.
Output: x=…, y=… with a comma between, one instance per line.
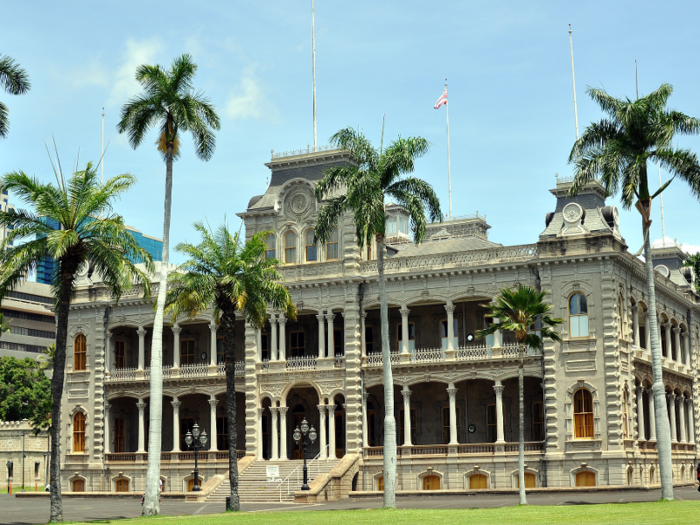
x=222, y=433
x=119, y=435
x=187, y=356
x=270, y=242
x=411, y=336
x=119, y=354
x=265, y=343
x=332, y=245
x=578, y=315
x=583, y=414
x=403, y=225
x=391, y=226
x=446, y=424
x=443, y=334
x=296, y=344
x=369, y=339
x=311, y=251
x=537, y=421
x=79, y=432
x=402, y=434
x=79, y=352
x=492, y=423
x=338, y=342
x=290, y=248
x=220, y=357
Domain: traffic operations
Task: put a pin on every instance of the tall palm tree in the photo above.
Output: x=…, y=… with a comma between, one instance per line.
x=524, y=313
x=617, y=149
x=229, y=276
x=89, y=233
x=361, y=189
x=169, y=102
x=15, y=81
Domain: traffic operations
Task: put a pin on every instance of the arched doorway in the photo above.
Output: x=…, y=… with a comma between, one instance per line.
x=303, y=404
x=478, y=482
x=585, y=478
x=339, y=420
x=431, y=482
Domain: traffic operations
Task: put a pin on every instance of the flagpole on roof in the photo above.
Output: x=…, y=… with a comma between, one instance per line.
x=102, y=153
x=313, y=65
x=573, y=79
x=449, y=174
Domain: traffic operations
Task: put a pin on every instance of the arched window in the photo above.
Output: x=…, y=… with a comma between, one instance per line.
x=578, y=315
x=79, y=352
x=270, y=242
x=478, y=482
x=332, y=245
x=583, y=414
x=311, y=252
x=431, y=482
x=290, y=248
x=79, y=432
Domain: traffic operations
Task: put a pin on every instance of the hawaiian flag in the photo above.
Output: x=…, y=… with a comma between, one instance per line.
x=442, y=100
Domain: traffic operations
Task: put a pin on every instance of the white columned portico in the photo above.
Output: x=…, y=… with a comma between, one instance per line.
x=331, y=334
x=321, y=335
x=176, y=424
x=635, y=325
x=686, y=348
x=176, y=346
x=259, y=432
x=640, y=413
x=283, y=337
x=647, y=332
x=450, y=309
x=365, y=434
x=406, y=393
x=212, y=422
x=141, y=405
x=681, y=407
x=672, y=415
x=652, y=414
x=678, y=355
x=452, y=393
x=363, y=342
x=404, y=329
x=322, y=430
x=273, y=337
x=498, y=388
x=105, y=439
x=212, y=345
x=142, y=347
x=331, y=430
x=275, y=435
x=283, y=432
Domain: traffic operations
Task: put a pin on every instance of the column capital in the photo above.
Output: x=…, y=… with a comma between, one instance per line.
x=283, y=410
x=140, y=405
x=685, y=335
x=676, y=329
x=274, y=410
x=640, y=390
x=107, y=407
x=321, y=408
x=406, y=394
x=282, y=319
x=330, y=316
x=321, y=317
x=141, y=331
x=176, y=329
x=670, y=396
x=213, y=403
x=452, y=392
x=176, y=404
x=666, y=324
x=688, y=400
x=646, y=314
x=260, y=411
x=273, y=318
x=635, y=308
x=331, y=409
x=650, y=391
x=404, y=310
x=498, y=388
x=450, y=308
x=213, y=326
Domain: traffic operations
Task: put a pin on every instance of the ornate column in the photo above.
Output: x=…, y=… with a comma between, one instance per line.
x=275, y=435
x=212, y=346
x=363, y=342
x=672, y=415
x=452, y=393
x=259, y=432
x=212, y=423
x=498, y=388
x=176, y=346
x=669, y=347
x=678, y=355
x=108, y=351
x=331, y=334
x=635, y=325
x=450, y=309
x=142, y=425
x=321, y=335
x=365, y=435
x=142, y=347
x=497, y=335
x=258, y=344
x=640, y=413
x=331, y=430
x=404, y=330
x=176, y=424
x=106, y=440
x=686, y=348
x=283, y=337
x=273, y=337
x=652, y=416
x=691, y=420
x=681, y=407
x=406, y=393
x=322, y=430
x=647, y=332
x=283, y=432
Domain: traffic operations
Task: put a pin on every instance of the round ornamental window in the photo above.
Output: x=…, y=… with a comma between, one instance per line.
x=572, y=212
x=299, y=203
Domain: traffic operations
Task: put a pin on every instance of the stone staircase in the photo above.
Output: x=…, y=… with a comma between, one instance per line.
x=253, y=486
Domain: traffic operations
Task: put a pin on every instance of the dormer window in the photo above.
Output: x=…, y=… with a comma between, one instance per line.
x=403, y=225
x=391, y=226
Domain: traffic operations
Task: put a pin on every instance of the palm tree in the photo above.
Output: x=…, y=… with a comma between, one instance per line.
x=224, y=274
x=15, y=81
x=524, y=313
x=89, y=233
x=169, y=102
x=691, y=260
x=617, y=149
x=363, y=188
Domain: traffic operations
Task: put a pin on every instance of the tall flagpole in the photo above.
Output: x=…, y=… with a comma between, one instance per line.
x=449, y=174
x=313, y=65
x=102, y=153
x=573, y=79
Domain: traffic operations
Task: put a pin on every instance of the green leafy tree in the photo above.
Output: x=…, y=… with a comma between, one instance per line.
x=23, y=387
x=617, y=149
x=3, y=327
x=694, y=262
x=226, y=274
x=361, y=189
x=15, y=81
x=524, y=313
x=89, y=234
x=169, y=102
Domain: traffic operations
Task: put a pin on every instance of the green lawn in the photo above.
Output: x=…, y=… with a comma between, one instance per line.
x=677, y=512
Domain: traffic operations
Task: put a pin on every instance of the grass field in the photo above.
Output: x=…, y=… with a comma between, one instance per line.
x=685, y=512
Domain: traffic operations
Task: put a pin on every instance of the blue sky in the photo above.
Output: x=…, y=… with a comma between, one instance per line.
x=508, y=66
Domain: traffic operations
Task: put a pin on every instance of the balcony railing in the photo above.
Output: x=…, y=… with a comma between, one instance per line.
x=482, y=449
x=477, y=352
x=304, y=362
x=123, y=374
x=169, y=372
x=171, y=457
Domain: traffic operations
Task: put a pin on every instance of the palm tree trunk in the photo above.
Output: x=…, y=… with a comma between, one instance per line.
x=151, y=506
x=228, y=321
x=59, y=372
x=389, y=419
x=663, y=429
x=521, y=428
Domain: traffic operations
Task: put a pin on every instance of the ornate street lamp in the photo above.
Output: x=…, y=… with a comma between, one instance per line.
x=197, y=441
x=305, y=436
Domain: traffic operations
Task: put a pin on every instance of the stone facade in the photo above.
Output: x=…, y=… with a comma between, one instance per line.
x=589, y=418
x=16, y=436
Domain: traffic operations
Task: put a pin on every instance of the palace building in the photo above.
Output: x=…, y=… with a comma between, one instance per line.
x=589, y=411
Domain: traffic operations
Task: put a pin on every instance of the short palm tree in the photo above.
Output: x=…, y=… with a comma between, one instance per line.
x=226, y=274
x=362, y=189
x=524, y=313
x=89, y=233
x=15, y=81
x=616, y=149
x=169, y=102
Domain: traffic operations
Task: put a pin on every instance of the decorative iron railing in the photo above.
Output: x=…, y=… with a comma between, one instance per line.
x=428, y=355
x=297, y=152
x=123, y=374
x=473, y=353
x=194, y=370
x=304, y=362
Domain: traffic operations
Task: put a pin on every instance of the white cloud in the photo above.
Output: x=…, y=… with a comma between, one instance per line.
x=137, y=52
x=690, y=249
x=248, y=101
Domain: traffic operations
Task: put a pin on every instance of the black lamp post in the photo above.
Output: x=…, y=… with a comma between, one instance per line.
x=305, y=436
x=197, y=441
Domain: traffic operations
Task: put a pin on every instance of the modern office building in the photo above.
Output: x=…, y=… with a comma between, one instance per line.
x=28, y=310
